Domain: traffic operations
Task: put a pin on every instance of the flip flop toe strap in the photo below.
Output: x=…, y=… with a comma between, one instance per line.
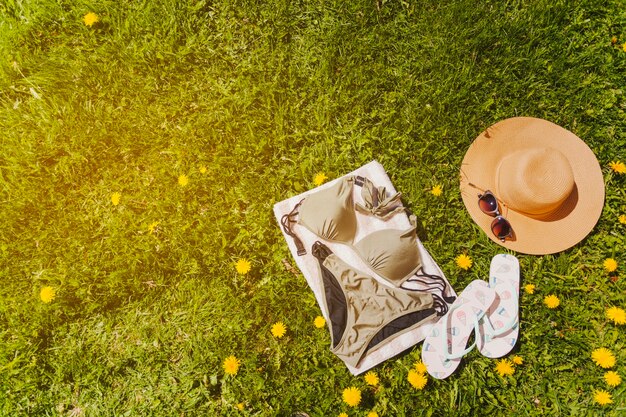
x=445, y=339
x=490, y=332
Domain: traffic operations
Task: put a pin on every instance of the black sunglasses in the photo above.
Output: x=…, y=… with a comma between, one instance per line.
x=500, y=226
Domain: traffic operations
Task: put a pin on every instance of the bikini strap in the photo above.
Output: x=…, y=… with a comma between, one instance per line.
x=441, y=307
x=376, y=200
x=436, y=282
x=320, y=251
x=286, y=222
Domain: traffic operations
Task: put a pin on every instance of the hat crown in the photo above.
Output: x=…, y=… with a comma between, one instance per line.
x=535, y=181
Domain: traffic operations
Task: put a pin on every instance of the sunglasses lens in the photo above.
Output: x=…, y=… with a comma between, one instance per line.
x=501, y=227
x=488, y=203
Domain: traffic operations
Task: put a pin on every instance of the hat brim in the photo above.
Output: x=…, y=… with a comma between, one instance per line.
x=576, y=217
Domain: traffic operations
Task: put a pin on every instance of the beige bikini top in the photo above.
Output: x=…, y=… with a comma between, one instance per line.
x=330, y=214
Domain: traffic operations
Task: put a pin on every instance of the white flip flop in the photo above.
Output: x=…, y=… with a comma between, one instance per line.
x=499, y=328
x=444, y=347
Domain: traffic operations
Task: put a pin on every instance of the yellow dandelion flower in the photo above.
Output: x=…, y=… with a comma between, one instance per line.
x=517, y=360
x=279, y=329
x=420, y=367
x=463, y=261
x=319, y=322
x=614, y=40
x=202, y=170
x=352, y=396
x=240, y=406
x=602, y=397
x=529, y=288
x=551, y=301
x=371, y=378
x=183, y=180
x=153, y=226
x=624, y=47
x=612, y=378
x=504, y=367
x=616, y=314
x=115, y=198
x=319, y=178
x=622, y=218
x=90, y=18
x=243, y=266
x=603, y=358
x=372, y=414
x=342, y=415
x=618, y=166
x=47, y=294
x=231, y=365
x=610, y=264
x=436, y=190
x=417, y=379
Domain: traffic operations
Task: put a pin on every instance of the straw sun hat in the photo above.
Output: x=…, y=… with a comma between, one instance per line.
x=547, y=182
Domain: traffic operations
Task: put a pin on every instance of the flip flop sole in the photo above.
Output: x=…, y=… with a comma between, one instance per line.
x=445, y=345
x=501, y=317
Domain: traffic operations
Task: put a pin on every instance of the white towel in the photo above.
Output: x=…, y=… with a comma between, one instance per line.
x=366, y=225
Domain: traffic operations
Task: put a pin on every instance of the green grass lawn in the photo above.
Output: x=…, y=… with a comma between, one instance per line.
x=248, y=101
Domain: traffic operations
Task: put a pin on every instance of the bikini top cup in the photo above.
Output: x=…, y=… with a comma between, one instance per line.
x=392, y=253
x=330, y=214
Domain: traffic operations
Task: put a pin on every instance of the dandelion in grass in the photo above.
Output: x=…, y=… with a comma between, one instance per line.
x=551, y=301
x=436, y=190
x=352, y=396
x=610, y=265
x=504, y=367
x=529, y=288
x=614, y=40
x=342, y=415
x=240, y=406
x=371, y=378
x=152, y=227
x=319, y=178
x=115, y=198
x=602, y=397
x=603, y=358
x=202, y=170
x=464, y=262
x=372, y=414
x=243, y=266
x=618, y=167
x=622, y=218
x=319, y=322
x=616, y=315
x=90, y=19
x=612, y=378
x=417, y=380
x=47, y=294
x=420, y=367
x=517, y=360
x=231, y=365
x=183, y=180
x=279, y=329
